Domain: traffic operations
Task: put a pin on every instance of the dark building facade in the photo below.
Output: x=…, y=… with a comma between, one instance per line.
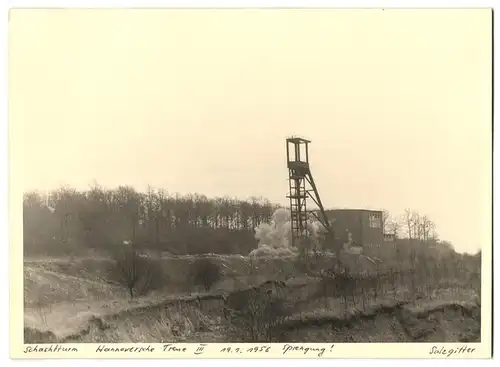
x=365, y=226
x=389, y=237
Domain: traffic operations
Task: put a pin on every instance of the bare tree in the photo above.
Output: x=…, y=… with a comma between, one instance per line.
x=129, y=204
x=433, y=235
x=408, y=220
x=257, y=312
x=133, y=271
x=206, y=273
x=416, y=225
x=426, y=226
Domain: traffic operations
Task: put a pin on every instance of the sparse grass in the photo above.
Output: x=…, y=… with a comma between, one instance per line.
x=74, y=302
x=43, y=287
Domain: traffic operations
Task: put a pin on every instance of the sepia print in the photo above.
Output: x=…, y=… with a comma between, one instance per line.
x=252, y=176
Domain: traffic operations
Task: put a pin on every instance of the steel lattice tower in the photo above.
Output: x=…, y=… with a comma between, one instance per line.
x=302, y=187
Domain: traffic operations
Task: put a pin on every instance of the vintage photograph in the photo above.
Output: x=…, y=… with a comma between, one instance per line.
x=252, y=175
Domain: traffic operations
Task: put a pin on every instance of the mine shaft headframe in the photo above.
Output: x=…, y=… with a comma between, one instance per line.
x=299, y=151
x=297, y=157
x=302, y=187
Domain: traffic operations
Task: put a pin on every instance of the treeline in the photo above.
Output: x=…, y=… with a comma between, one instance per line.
x=411, y=224
x=67, y=221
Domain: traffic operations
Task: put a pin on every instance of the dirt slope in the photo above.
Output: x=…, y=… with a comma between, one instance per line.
x=193, y=319
x=71, y=303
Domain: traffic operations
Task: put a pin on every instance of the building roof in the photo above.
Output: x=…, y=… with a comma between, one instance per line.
x=353, y=210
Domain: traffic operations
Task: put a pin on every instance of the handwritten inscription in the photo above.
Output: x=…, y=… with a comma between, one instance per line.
x=287, y=348
x=106, y=349
x=263, y=349
x=452, y=351
x=236, y=350
x=55, y=348
x=200, y=349
x=173, y=348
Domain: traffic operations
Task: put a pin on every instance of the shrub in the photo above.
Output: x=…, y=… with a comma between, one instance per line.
x=258, y=315
x=134, y=271
x=206, y=273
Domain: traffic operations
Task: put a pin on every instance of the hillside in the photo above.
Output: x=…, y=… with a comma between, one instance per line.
x=71, y=301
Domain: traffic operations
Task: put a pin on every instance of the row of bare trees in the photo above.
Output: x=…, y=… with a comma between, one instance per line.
x=410, y=224
x=69, y=219
x=66, y=221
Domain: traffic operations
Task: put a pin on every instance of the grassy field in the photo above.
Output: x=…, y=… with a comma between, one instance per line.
x=72, y=301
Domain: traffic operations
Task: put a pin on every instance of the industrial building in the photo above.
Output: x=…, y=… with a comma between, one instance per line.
x=363, y=225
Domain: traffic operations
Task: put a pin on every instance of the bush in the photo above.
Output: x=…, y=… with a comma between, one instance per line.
x=206, y=273
x=257, y=312
x=135, y=272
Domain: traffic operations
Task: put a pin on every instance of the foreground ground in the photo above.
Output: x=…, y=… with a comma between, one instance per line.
x=69, y=301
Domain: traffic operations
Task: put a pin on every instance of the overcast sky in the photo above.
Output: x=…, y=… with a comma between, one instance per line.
x=397, y=104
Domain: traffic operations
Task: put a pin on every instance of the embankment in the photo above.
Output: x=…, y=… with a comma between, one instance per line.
x=203, y=319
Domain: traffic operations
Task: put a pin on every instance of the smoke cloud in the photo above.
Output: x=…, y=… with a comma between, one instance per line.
x=275, y=238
